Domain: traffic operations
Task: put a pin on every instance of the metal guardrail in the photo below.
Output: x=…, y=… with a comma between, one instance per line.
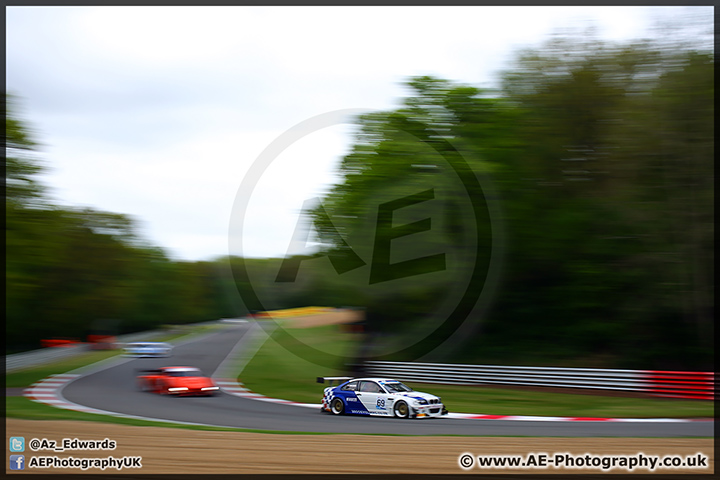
x=697, y=385
x=18, y=361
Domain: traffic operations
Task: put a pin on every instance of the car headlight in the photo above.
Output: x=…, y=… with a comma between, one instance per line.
x=422, y=402
x=177, y=389
x=210, y=388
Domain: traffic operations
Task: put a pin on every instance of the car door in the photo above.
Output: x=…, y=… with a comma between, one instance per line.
x=373, y=397
x=352, y=402
x=153, y=381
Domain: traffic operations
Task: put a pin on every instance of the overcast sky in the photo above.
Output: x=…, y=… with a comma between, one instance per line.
x=159, y=112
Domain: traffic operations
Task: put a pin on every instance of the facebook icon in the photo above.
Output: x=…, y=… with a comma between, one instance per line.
x=17, y=462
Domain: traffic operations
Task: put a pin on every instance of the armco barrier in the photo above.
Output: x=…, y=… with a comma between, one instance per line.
x=681, y=384
x=695, y=385
x=18, y=361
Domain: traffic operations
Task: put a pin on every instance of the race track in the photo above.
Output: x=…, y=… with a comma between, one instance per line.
x=113, y=389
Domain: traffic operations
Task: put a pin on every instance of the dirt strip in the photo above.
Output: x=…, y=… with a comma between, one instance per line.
x=176, y=451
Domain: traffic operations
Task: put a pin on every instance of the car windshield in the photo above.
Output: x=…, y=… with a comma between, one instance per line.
x=185, y=373
x=397, y=387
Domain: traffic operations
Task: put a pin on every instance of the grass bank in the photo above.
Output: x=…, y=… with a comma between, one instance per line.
x=289, y=362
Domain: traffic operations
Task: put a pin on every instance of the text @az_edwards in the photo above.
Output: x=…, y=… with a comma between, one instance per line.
x=44, y=444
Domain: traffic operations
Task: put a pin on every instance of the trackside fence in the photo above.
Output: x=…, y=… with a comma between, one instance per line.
x=695, y=385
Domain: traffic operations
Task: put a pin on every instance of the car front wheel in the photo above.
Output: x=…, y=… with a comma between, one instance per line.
x=337, y=406
x=401, y=410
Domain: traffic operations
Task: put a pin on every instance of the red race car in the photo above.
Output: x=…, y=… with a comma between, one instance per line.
x=176, y=381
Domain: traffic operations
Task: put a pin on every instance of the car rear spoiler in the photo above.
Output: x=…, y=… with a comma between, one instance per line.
x=141, y=371
x=330, y=380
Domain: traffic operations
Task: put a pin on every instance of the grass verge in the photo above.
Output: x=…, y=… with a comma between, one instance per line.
x=275, y=371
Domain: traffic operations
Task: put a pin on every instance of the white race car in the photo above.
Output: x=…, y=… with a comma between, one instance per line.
x=380, y=397
x=147, y=349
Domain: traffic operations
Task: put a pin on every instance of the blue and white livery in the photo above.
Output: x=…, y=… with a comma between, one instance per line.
x=379, y=397
x=148, y=349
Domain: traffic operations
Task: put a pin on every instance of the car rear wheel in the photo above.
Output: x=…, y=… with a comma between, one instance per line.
x=143, y=386
x=401, y=410
x=337, y=406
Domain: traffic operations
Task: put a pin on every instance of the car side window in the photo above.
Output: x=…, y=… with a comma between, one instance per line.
x=370, y=387
x=352, y=386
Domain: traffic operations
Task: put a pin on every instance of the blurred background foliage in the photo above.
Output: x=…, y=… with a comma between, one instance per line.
x=601, y=156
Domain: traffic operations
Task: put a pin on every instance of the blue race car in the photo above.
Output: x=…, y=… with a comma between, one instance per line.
x=379, y=397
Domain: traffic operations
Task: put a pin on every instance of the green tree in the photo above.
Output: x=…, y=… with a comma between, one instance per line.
x=21, y=189
x=601, y=154
x=70, y=270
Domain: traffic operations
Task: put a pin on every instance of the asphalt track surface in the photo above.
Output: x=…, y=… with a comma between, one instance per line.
x=114, y=389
